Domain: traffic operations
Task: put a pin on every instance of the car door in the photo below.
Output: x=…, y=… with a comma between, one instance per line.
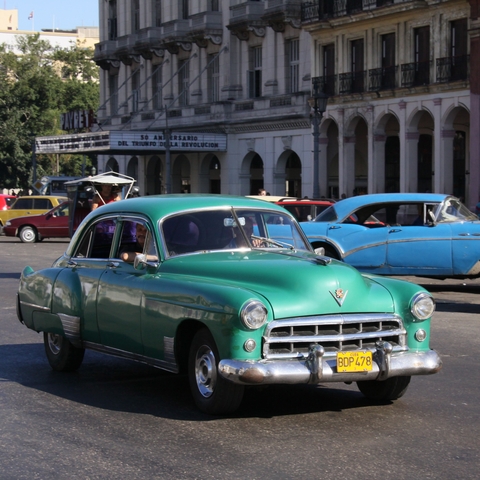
x=120, y=291
x=55, y=222
x=417, y=247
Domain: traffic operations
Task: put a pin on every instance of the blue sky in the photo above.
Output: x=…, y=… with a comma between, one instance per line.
x=58, y=14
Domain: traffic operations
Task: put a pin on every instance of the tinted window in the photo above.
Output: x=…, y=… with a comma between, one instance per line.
x=97, y=241
x=42, y=204
x=23, y=204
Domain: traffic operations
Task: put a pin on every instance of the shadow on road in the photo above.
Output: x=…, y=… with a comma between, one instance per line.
x=118, y=385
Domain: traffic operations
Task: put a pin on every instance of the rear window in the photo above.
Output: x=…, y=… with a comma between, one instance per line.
x=9, y=201
x=328, y=215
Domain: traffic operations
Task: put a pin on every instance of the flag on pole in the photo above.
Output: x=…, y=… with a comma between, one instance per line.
x=31, y=15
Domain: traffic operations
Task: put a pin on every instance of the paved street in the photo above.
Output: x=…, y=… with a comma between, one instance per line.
x=115, y=419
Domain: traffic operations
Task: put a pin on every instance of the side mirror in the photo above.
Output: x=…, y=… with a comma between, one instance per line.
x=320, y=251
x=143, y=261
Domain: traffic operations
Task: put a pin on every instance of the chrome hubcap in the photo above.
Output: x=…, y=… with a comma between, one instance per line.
x=54, y=343
x=205, y=371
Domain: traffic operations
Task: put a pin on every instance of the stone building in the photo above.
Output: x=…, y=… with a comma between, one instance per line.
x=397, y=73
x=238, y=69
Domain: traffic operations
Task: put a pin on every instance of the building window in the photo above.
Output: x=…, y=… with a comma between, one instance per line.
x=135, y=15
x=459, y=49
x=112, y=20
x=254, y=75
x=213, y=78
x=357, y=66
x=113, y=93
x=183, y=6
x=157, y=13
x=157, y=95
x=214, y=5
x=293, y=62
x=422, y=55
x=183, y=83
x=135, y=91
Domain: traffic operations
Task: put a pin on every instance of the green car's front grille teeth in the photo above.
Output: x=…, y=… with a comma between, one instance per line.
x=293, y=337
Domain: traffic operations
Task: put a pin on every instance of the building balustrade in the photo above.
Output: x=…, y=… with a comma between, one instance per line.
x=325, y=9
x=452, y=69
x=415, y=74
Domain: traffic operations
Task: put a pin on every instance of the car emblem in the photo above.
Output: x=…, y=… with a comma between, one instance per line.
x=339, y=295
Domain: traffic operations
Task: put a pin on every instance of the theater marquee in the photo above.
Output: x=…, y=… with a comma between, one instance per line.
x=114, y=142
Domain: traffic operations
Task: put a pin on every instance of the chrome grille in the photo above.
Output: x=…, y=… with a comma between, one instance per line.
x=292, y=337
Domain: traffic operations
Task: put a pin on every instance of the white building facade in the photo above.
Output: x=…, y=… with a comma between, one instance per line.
x=396, y=72
x=234, y=68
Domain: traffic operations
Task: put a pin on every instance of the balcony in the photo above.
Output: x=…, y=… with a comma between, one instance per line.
x=205, y=27
x=246, y=17
x=104, y=55
x=176, y=34
x=326, y=84
x=321, y=10
x=149, y=42
x=279, y=13
x=382, y=78
x=415, y=74
x=453, y=69
x=352, y=82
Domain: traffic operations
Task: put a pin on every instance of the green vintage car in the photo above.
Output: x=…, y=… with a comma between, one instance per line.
x=229, y=290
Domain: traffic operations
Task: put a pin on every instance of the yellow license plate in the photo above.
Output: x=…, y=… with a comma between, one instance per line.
x=354, y=361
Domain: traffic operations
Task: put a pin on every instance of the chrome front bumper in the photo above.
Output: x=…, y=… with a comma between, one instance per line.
x=315, y=368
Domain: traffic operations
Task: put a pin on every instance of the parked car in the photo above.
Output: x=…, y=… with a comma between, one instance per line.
x=6, y=201
x=229, y=290
x=431, y=235
x=34, y=228
x=303, y=209
x=30, y=205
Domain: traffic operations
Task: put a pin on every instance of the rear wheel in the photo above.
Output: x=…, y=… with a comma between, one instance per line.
x=61, y=354
x=389, y=389
x=28, y=234
x=211, y=392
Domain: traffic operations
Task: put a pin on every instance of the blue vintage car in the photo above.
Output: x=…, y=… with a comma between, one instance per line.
x=229, y=290
x=429, y=235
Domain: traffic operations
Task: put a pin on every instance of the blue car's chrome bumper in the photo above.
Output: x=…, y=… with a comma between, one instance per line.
x=315, y=369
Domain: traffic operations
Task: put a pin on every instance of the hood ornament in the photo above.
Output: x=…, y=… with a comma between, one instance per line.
x=339, y=295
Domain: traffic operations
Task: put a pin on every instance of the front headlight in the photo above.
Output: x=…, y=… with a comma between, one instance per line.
x=422, y=306
x=253, y=314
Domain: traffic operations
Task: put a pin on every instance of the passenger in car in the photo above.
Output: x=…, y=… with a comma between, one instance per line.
x=141, y=235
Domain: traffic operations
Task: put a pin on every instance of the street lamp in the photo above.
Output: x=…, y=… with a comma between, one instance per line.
x=318, y=103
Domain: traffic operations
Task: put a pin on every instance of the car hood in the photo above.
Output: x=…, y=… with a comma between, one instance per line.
x=294, y=283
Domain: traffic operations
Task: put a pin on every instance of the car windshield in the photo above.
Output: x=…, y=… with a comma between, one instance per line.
x=231, y=229
x=452, y=210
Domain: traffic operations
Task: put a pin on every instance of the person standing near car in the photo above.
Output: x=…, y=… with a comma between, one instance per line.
x=107, y=194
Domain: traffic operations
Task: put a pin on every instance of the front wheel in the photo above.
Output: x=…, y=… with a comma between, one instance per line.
x=61, y=354
x=28, y=235
x=389, y=389
x=211, y=392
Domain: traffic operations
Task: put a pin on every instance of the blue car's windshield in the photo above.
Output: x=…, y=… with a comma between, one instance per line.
x=452, y=210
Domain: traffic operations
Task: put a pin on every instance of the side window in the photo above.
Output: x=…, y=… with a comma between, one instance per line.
x=97, y=241
x=42, y=204
x=23, y=204
x=136, y=238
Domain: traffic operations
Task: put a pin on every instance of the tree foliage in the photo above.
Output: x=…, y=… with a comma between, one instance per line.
x=38, y=83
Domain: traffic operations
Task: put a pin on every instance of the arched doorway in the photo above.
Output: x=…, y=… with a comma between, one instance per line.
x=293, y=172
x=112, y=165
x=154, y=176
x=424, y=164
x=214, y=175
x=132, y=168
x=256, y=174
x=181, y=175
x=392, y=164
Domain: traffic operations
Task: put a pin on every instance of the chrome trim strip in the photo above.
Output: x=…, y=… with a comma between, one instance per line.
x=154, y=362
x=35, y=306
x=71, y=328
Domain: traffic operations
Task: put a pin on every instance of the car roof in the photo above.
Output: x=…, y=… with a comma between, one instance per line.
x=43, y=196
x=156, y=206
x=347, y=205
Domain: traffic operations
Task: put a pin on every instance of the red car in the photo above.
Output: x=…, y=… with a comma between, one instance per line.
x=305, y=209
x=35, y=228
x=6, y=201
